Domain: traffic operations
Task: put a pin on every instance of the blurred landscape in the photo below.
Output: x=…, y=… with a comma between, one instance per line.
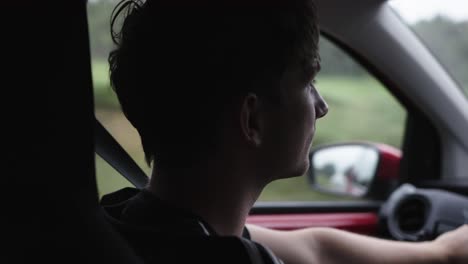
x=360, y=108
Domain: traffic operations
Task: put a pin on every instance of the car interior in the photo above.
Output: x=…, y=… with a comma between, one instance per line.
x=52, y=201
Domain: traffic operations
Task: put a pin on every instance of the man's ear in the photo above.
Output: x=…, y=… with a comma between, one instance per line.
x=250, y=120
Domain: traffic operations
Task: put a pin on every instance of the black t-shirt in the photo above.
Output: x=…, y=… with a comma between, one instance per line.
x=146, y=209
x=162, y=233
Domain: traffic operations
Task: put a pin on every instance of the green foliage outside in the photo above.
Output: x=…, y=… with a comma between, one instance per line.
x=448, y=42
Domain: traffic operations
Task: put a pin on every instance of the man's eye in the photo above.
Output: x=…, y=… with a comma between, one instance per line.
x=312, y=84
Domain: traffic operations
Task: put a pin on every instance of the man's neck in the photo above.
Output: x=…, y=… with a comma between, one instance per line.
x=223, y=202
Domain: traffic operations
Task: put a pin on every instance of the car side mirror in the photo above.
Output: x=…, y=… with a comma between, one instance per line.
x=364, y=170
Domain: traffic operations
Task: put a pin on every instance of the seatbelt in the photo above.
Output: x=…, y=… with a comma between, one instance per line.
x=111, y=151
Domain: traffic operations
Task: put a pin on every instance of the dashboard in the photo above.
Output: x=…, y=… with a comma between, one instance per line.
x=414, y=214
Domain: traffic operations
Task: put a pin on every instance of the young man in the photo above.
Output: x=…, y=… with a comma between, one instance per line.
x=222, y=95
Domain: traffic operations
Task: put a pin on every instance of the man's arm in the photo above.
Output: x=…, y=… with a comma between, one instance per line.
x=329, y=246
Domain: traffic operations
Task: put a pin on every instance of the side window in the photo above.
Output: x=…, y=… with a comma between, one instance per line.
x=360, y=109
x=107, y=109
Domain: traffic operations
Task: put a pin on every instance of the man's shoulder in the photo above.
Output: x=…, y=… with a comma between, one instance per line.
x=162, y=234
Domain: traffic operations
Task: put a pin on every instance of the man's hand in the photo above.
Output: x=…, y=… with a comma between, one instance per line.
x=454, y=245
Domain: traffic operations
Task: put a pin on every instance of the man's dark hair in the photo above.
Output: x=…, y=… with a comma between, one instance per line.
x=179, y=65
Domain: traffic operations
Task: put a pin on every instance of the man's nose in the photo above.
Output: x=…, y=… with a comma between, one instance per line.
x=322, y=107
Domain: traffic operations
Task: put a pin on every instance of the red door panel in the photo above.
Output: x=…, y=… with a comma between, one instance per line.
x=362, y=223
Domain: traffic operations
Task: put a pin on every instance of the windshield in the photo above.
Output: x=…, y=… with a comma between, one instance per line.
x=443, y=27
